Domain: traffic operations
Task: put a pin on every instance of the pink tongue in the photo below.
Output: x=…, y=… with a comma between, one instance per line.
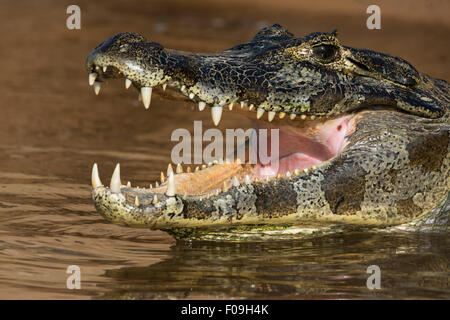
x=294, y=161
x=297, y=151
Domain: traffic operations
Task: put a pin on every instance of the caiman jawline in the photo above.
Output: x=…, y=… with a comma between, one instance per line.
x=304, y=144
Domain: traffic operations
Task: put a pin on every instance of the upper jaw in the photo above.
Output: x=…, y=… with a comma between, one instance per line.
x=272, y=81
x=147, y=65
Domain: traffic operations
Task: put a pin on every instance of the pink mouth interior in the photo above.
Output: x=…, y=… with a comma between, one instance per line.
x=302, y=144
x=302, y=148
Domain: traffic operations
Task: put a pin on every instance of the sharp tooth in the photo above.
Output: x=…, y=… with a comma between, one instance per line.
x=95, y=179
x=156, y=184
x=210, y=164
x=313, y=117
x=155, y=199
x=104, y=68
x=129, y=184
x=305, y=170
x=235, y=182
x=225, y=187
x=288, y=174
x=242, y=104
x=197, y=169
x=127, y=83
x=164, y=86
x=179, y=168
x=92, y=77
x=230, y=106
x=97, y=86
x=188, y=170
x=115, y=180
x=282, y=115
x=163, y=178
x=136, y=201
x=303, y=116
x=201, y=105
x=251, y=107
x=279, y=176
x=216, y=113
x=169, y=169
x=314, y=167
x=171, y=189
x=97, y=68
x=271, y=115
x=146, y=94
x=247, y=179
x=183, y=87
x=292, y=116
x=259, y=113
x=203, y=166
x=297, y=172
x=151, y=186
x=191, y=95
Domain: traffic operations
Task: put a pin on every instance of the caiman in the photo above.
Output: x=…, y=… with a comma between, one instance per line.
x=363, y=139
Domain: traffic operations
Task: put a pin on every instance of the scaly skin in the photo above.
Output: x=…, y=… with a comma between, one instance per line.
x=393, y=170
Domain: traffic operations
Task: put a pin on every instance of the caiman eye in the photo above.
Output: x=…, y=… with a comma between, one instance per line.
x=325, y=52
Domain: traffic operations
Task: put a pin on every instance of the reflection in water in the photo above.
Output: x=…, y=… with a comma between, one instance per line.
x=328, y=267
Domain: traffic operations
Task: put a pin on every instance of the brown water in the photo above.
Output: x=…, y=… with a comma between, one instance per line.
x=53, y=128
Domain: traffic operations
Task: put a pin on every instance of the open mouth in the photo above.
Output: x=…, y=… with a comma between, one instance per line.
x=304, y=143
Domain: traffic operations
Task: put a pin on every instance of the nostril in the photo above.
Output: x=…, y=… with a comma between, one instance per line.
x=339, y=127
x=123, y=47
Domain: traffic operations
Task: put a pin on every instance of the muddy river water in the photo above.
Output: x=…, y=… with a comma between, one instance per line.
x=53, y=128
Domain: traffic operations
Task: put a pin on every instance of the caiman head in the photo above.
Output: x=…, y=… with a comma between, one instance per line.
x=363, y=136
